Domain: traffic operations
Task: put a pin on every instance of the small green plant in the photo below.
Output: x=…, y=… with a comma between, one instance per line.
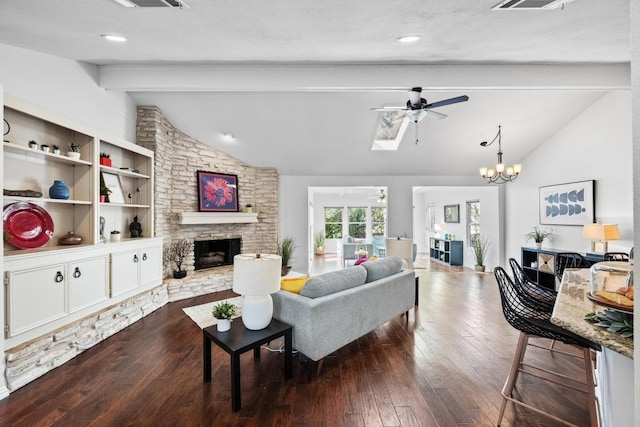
x=286, y=246
x=56, y=147
x=115, y=232
x=479, y=247
x=74, y=147
x=224, y=310
x=248, y=205
x=538, y=235
x=319, y=239
x=104, y=191
x=105, y=155
x=613, y=321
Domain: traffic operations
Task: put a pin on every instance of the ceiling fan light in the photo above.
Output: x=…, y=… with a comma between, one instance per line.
x=416, y=115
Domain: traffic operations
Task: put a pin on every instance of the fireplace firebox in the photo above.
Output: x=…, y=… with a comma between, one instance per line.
x=215, y=252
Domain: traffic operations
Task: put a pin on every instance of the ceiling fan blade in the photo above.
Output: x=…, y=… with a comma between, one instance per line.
x=449, y=101
x=436, y=115
x=388, y=108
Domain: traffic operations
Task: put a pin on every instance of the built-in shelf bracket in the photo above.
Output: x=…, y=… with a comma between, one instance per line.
x=217, y=218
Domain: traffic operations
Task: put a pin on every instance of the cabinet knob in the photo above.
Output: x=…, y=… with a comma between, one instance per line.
x=59, y=277
x=77, y=273
x=144, y=256
x=135, y=258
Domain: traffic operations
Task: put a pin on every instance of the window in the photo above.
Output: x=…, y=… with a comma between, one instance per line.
x=473, y=221
x=357, y=222
x=378, y=221
x=333, y=223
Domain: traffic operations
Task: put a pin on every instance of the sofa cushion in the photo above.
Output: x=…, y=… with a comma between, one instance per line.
x=382, y=268
x=334, y=281
x=293, y=284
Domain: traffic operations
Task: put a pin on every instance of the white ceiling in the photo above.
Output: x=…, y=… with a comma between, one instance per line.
x=321, y=125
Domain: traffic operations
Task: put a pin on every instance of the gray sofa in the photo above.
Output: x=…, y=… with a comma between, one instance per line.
x=336, y=308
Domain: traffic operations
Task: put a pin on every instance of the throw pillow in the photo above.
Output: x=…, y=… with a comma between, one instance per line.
x=360, y=260
x=373, y=258
x=293, y=284
x=335, y=281
x=382, y=268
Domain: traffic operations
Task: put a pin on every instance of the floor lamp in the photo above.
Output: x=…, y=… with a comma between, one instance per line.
x=256, y=277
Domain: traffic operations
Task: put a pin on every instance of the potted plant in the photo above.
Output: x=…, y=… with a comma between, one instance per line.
x=285, y=250
x=224, y=312
x=176, y=252
x=104, y=193
x=115, y=236
x=33, y=144
x=248, y=208
x=538, y=235
x=75, y=151
x=105, y=159
x=56, y=149
x=319, y=243
x=479, y=247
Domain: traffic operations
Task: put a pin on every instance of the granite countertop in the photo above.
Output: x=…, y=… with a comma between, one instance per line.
x=572, y=305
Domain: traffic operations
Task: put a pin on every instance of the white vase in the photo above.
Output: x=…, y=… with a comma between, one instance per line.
x=73, y=155
x=539, y=245
x=223, y=325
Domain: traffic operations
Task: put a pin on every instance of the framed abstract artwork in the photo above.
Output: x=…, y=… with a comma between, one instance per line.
x=112, y=182
x=568, y=204
x=217, y=192
x=452, y=213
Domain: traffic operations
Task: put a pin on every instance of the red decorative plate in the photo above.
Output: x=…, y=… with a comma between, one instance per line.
x=27, y=225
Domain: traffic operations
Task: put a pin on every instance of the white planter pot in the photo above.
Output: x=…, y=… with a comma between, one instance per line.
x=223, y=325
x=539, y=245
x=115, y=237
x=73, y=155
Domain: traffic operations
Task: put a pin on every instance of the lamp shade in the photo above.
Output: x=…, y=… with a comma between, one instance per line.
x=256, y=274
x=601, y=232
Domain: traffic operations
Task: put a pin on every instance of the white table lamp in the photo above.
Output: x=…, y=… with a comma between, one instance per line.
x=599, y=234
x=256, y=277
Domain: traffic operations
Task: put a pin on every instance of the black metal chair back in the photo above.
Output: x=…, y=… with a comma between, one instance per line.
x=569, y=260
x=523, y=316
x=616, y=256
x=531, y=288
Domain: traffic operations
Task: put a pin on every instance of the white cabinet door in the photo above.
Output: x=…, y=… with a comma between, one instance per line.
x=124, y=272
x=151, y=265
x=35, y=297
x=87, y=282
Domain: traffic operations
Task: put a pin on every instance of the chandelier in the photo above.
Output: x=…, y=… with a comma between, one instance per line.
x=500, y=173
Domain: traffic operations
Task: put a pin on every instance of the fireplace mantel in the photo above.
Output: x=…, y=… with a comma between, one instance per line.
x=217, y=218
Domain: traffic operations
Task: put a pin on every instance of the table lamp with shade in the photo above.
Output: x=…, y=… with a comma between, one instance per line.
x=600, y=234
x=256, y=277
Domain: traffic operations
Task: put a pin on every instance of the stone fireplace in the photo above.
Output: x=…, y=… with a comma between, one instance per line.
x=209, y=253
x=178, y=158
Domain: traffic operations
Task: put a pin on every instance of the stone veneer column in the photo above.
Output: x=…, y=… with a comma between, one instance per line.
x=177, y=159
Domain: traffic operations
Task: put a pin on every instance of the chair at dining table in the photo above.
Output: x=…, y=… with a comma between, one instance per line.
x=520, y=313
x=566, y=260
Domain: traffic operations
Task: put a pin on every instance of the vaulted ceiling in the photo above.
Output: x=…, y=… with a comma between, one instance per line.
x=294, y=81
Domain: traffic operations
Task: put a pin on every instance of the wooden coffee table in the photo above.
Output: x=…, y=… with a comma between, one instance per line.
x=238, y=340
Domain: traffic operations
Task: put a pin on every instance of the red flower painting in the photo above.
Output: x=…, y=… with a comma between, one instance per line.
x=217, y=192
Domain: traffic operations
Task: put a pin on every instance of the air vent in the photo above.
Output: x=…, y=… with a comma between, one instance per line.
x=152, y=3
x=531, y=4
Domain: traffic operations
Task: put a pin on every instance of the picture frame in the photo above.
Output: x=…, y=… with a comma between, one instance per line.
x=452, y=213
x=112, y=182
x=217, y=192
x=572, y=203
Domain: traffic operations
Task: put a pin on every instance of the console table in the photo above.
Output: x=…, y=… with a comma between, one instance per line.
x=539, y=264
x=238, y=340
x=447, y=251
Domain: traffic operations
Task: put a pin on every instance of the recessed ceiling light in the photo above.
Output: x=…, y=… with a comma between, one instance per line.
x=409, y=39
x=114, y=38
x=228, y=136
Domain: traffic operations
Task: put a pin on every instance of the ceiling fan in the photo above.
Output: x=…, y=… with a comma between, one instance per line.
x=380, y=196
x=417, y=108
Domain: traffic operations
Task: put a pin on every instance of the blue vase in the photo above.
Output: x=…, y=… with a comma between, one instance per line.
x=59, y=190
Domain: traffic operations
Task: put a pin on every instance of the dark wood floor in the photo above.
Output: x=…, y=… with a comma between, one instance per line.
x=446, y=367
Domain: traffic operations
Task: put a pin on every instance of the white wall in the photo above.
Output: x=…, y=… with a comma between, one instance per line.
x=67, y=88
x=595, y=145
